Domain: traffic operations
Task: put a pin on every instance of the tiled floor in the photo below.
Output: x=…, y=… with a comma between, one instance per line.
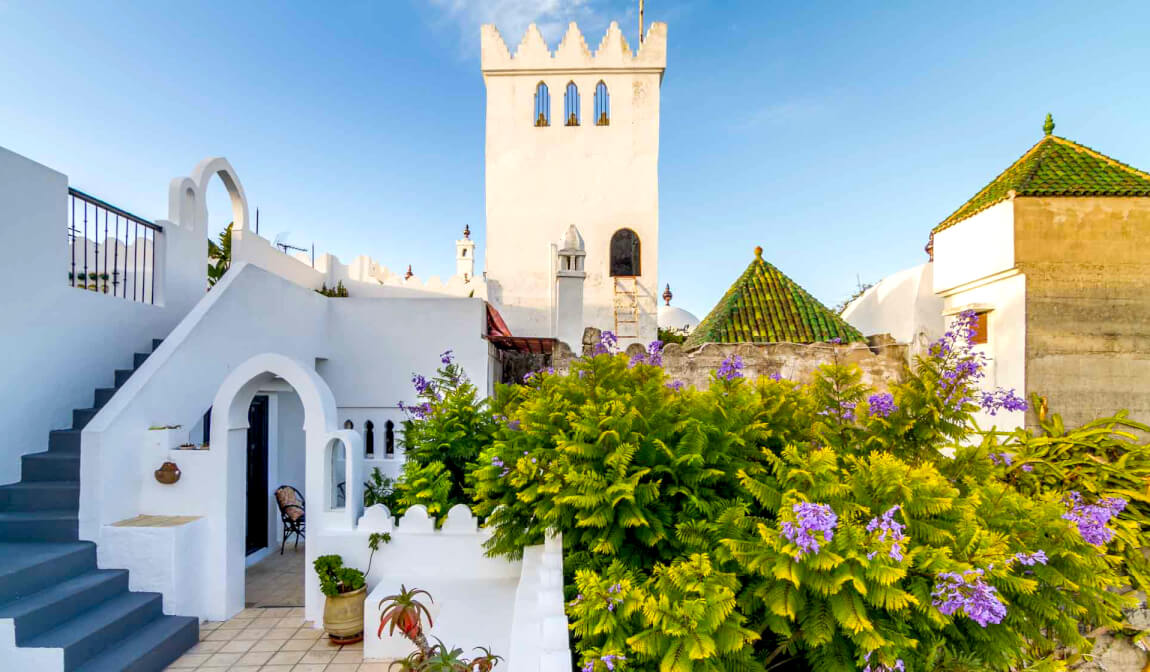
x=272, y=638
x=277, y=581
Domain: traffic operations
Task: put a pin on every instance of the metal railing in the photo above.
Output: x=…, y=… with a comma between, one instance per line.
x=112, y=251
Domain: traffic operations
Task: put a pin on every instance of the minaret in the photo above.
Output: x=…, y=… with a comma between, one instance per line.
x=465, y=255
x=569, y=281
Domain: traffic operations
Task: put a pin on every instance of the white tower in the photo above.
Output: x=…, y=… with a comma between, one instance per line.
x=569, y=289
x=465, y=255
x=573, y=139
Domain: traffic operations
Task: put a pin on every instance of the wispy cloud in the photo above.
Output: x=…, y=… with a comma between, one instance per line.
x=512, y=17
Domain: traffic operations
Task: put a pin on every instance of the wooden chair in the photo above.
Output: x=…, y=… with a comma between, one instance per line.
x=291, y=505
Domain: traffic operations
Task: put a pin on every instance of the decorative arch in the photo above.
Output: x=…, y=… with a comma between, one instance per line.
x=625, y=254
x=369, y=438
x=602, y=105
x=219, y=166
x=389, y=439
x=229, y=425
x=571, y=105
x=542, y=105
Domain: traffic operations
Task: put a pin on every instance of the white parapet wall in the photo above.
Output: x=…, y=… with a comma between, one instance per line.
x=514, y=608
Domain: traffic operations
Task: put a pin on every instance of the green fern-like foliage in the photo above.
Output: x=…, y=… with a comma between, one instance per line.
x=674, y=507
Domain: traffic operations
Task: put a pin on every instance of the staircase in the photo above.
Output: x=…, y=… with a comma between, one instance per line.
x=49, y=584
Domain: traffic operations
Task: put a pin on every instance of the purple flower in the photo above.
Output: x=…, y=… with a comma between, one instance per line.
x=513, y=425
x=1092, y=518
x=676, y=385
x=844, y=411
x=730, y=368
x=420, y=411
x=1031, y=559
x=969, y=594
x=888, y=529
x=881, y=405
x=1028, y=467
x=898, y=665
x=836, y=340
x=446, y=358
x=776, y=377
x=1002, y=458
x=1002, y=400
x=422, y=385
x=655, y=353
x=608, y=344
x=496, y=462
x=810, y=519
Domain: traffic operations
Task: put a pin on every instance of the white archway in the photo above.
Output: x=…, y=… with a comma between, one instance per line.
x=224, y=575
x=188, y=196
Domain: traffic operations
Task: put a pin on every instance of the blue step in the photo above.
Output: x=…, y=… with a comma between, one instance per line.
x=139, y=358
x=122, y=376
x=27, y=568
x=50, y=467
x=40, y=495
x=47, y=609
x=82, y=416
x=103, y=395
x=156, y=343
x=64, y=440
x=39, y=526
x=96, y=629
x=149, y=649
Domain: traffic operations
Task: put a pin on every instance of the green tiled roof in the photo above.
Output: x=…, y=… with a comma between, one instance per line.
x=1056, y=167
x=765, y=306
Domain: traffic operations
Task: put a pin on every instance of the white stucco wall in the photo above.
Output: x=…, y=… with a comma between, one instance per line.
x=540, y=181
x=62, y=342
x=975, y=248
x=903, y=305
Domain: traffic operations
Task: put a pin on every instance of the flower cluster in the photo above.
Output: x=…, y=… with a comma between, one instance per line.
x=446, y=357
x=653, y=355
x=969, y=594
x=881, y=405
x=1002, y=400
x=676, y=385
x=730, y=368
x=1092, y=518
x=419, y=411
x=1030, y=559
x=614, y=596
x=898, y=665
x=1002, y=458
x=608, y=661
x=810, y=519
x=422, y=385
x=608, y=344
x=540, y=372
x=843, y=411
x=888, y=529
x=498, y=462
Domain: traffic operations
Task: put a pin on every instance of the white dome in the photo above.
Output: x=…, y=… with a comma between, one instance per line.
x=673, y=317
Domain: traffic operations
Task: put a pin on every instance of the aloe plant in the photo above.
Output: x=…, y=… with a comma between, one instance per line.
x=405, y=611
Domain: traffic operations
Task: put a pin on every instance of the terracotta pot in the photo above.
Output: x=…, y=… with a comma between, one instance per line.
x=168, y=473
x=343, y=615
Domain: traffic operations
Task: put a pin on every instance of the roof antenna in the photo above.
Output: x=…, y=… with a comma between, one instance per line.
x=640, y=22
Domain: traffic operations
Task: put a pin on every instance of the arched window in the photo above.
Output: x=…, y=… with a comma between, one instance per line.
x=389, y=439
x=602, y=105
x=369, y=438
x=542, y=105
x=571, y=105
x=625, y=253
x=348, y=424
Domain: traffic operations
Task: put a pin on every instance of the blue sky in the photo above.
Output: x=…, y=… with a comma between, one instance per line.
x=834, y=135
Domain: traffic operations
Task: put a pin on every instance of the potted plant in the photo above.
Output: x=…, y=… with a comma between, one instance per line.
x=406, y=612
x=165, y=437
x=346, y=591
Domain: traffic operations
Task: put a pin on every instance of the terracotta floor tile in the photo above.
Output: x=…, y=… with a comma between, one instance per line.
x=286, y=658
x=190, y=661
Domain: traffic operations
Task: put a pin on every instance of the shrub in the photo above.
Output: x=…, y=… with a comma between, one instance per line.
x=832, y=525
x=334, y=578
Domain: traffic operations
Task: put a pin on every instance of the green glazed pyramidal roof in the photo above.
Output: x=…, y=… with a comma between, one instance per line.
x=1056, y=167
x=765, y=306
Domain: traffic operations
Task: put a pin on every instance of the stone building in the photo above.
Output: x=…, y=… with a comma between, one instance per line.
x=1050, y=255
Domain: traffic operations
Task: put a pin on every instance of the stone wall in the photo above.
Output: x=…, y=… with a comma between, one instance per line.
x=881, y=359
x=1087, y=304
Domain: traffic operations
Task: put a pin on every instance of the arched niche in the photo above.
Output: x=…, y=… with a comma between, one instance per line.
x=225, y=565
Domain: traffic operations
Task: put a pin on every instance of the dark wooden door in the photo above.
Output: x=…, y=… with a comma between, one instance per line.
x=257, y=518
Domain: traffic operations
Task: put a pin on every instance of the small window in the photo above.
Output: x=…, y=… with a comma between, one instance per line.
x=571, y=105
x=625, y=253
x=542, y=105
x=348, y=424
x=389, y=439
x=602, y=105
x=465, y=252
x=369, y=438
x=980, y=328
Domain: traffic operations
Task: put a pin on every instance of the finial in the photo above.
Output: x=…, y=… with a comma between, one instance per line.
x=466, y=232
x=667, y=295
x=408, y=274
x=758, y=251
x=1048, y=126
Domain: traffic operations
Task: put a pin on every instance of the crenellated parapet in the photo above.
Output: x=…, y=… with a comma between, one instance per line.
x=573, y=54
